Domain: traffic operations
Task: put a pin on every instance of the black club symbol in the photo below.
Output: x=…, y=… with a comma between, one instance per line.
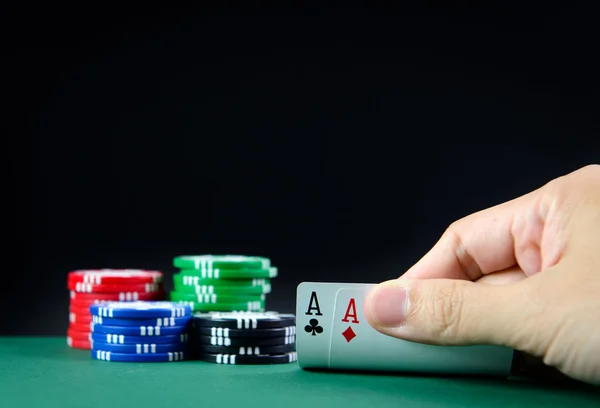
x=313, y=327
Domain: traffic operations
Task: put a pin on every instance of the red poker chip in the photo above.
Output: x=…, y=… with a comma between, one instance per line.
x=91, y=288
x=85, y=303
x=80, y=311
x=124, y=296
x=82, y=308
x=81, y=327
x=115, y=276
x=80, y=335
x=79, y=344
x=75, y=318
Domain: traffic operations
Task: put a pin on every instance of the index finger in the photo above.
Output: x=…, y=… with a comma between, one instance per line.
x=476, y=245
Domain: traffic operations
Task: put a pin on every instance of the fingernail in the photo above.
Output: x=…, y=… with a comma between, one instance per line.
x=388, y=305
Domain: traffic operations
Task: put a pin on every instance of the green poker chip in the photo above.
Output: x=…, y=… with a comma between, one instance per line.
x=214, y=298
x=210, y=262
x=232, y=290
x=195, y=280
x=249, y=306
x=231, y=273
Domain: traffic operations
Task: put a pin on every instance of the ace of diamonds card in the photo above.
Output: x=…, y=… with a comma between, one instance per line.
x=332, y=333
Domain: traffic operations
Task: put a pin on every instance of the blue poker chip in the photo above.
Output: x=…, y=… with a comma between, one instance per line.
x=140, y=348
x=157, y=321
x=143, y=331
x=106, y=355
x=140, y=309
x=113, y=338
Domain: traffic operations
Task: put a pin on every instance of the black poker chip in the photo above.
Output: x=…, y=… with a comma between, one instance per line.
x=244, y=320
x=245, y=351
x=241, y=333
x=236, y=359
x=245, y=341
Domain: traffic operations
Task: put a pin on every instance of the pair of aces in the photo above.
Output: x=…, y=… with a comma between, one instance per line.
x=332, y=333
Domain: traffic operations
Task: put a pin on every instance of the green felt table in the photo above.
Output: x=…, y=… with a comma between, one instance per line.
x=44, y=372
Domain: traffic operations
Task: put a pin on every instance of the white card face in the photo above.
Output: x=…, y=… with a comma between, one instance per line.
x=314, y=314
x=355, y=345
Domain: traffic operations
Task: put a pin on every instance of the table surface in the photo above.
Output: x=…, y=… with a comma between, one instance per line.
x=44, y=372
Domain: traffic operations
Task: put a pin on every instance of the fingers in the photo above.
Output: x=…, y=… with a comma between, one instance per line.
x=448, y=311
x=476, y=245
x=526, y=231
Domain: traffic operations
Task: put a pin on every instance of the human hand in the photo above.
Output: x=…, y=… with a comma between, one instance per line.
x=524, y=274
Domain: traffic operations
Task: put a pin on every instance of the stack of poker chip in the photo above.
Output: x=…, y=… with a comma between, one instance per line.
x=210, y=283
x=244, y=338
x=89, y=287
x=140, y=331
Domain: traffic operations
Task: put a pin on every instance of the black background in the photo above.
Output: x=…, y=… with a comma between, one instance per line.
x=338, y=142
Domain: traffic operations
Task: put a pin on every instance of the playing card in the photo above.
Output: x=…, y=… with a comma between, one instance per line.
x=314, y=314
x=355, y=345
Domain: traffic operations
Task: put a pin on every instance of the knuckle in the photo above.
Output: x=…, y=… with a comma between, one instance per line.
x=464, y=260
x=591, y=169
x=587, y=174
x=451, y=231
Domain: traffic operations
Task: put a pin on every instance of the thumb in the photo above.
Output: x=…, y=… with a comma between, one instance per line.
x=448, y=312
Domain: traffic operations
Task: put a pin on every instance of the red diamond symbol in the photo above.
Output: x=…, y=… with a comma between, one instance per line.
x=349, y=334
